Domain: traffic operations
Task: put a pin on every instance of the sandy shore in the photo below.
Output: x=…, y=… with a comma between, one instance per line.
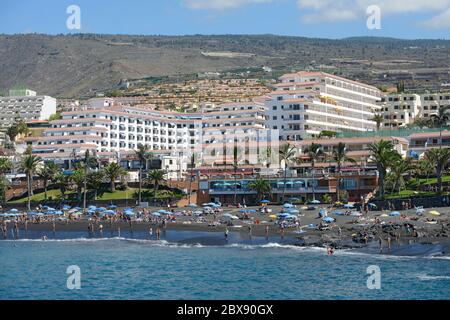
x=346, y=232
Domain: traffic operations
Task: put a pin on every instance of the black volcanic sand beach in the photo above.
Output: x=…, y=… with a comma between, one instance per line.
x=410, y=234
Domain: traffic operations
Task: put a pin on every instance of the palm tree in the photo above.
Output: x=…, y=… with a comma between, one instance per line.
x=378, y=118
x=424, y=168
x=78, y=177
x=95, y=181
x=235, y=168
x=261, y=186
x=143, y=154
x=383, y=154
x=287, y=155
x=439, y=158
x=156, y=177
x=5, y=166
x=193, y=158
x=29, y=165
x=47, y=173
x=398, y=170
x=315, y=153
x=340, y=156
x=112, y=172
x=62, y=181
x=89, y=162
x=440, y=119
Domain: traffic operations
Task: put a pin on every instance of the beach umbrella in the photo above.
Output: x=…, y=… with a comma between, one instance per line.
x=130, y=213
x=101, y=209
x=66, y=207
x=372, y=205
x=14, y=210
x=78, y=208
x=288, y=205
x=109, y=212
x=435, y=213
x=265, y=201
x=328, y=220
x=192, y=205
x=58, y=213
x=323, y=213
x=349, y=206
x=293, y=211
x=156, y=214
x=112, y=206
x=51, y=209
x=315, y=202
x=205, y=205
x=356, y=214
x=394, y=214
x=338, y=212
x=272, y=216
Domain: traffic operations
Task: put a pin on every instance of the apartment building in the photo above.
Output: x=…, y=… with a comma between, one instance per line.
x=401, y=109
x=117, y=128
x=25, y=105
x=307, y=103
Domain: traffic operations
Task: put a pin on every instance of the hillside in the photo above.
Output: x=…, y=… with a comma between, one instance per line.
x=74, y=65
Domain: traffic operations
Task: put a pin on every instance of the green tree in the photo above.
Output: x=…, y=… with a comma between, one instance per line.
x=62, y=181
x=384, y=155
x=340, y=156
x=112, y=172
x=439, y=158
x=315, y=153
x=78, y=178
x=95, y=182
x=144, y=155
x=56, y=116
x=440, y=119
x=261, y=186
x=156, y=178
x=399, y=169
x=46, y=174
x=29, y=164
x=287, y=154
x=378, y=118
x=5, y=167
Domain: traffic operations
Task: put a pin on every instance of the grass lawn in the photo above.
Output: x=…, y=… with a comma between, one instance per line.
x=107, y=196
x=423, y=181
x=410, y=193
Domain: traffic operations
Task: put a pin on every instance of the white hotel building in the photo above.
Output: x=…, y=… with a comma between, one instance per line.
x=25, y=105
x=401, y=109
x=306, y=103
x=117, y=130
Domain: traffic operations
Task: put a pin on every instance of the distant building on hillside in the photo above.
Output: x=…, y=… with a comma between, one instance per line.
x=26, y=105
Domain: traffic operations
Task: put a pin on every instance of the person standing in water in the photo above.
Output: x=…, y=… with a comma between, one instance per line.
x=380, y=241
x=267, y=232
x=226, y=233
x=16, y=229
x=389, y=243
x=158, y=233
x=100, y=228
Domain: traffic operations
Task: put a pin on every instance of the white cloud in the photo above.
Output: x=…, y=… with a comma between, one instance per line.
x=220, y=4
x=340, y=10
x=440, y=21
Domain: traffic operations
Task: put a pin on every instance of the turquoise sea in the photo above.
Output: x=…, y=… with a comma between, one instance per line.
x=198, y=265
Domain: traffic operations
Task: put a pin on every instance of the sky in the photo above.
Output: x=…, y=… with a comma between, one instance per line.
x=336, y=19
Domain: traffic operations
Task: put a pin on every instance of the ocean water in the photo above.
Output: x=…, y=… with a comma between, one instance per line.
x=195, y=265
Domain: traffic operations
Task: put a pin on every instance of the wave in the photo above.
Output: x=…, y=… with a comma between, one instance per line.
x=425, y=277
x=241, y=246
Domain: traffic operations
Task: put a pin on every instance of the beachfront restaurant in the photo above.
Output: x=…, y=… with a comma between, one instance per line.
x=301, y=188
